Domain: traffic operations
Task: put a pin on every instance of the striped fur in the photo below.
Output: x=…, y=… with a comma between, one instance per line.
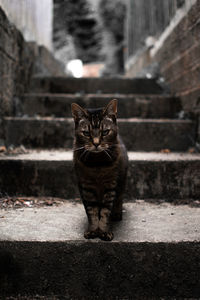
x=100, y=161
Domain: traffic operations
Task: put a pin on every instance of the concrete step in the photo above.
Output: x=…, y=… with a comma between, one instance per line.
x=154, y=254
x=170, y=177
x=95, y=85
x=59, y=105
x=137, y=134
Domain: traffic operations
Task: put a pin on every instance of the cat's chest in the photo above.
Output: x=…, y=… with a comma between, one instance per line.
x=98, y=176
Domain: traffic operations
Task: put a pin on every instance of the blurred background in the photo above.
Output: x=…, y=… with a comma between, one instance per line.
x=131, y=38
x=106, y=37
x=145, y=54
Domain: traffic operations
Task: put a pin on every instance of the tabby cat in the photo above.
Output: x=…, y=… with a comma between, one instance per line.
x=100, y=161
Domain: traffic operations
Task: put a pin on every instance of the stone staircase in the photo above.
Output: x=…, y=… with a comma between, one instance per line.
x=156, y=249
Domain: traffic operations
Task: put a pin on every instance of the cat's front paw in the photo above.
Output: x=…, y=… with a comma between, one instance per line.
x=90, y=234
x=106, y=235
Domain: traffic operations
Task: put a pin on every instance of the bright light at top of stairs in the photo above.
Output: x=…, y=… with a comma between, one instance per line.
x=75, y=67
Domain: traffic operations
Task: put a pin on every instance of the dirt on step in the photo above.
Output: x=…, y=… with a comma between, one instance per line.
x=21, y=202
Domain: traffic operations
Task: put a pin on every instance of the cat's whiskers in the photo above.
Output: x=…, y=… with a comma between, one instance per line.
x=88, y=152
x=83, y=153
x=77, y=149
x=108, y=154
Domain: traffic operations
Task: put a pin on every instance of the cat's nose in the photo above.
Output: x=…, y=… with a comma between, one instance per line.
x=96, y=142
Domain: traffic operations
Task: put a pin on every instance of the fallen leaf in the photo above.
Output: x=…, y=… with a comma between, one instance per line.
x=50, y=203
x=2, y=149
x=191, y=150
x=77, y=199
x=165, y=151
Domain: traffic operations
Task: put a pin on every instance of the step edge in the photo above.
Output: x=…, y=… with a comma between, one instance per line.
x=102, y=95
x=148, y=157
x=120, y=120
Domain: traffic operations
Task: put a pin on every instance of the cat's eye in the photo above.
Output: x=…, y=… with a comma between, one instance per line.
x=105, y=132
x=86, y=133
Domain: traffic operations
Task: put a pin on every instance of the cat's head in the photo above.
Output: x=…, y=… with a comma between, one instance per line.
x=95, y=129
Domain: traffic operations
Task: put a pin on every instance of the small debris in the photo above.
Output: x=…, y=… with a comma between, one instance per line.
x=77, y=199
x=165, y=151
x=17, y=203
x=16, y=150
x=11, y=150
x=49, y=203
x=29, y=202
x=196, y=203
x=2, y=149
x=192, y=150
x=181, y=115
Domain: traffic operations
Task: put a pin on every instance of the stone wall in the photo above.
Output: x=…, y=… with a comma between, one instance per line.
x=19, y=61
x=15, y=65
x=33, y=18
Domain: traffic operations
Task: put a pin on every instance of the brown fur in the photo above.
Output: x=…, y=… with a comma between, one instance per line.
x=100, y=162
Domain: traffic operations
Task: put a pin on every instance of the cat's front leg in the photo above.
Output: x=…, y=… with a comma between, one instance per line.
x=104, y=225
x=105, y=232
x=93, y=222
x=88, y=196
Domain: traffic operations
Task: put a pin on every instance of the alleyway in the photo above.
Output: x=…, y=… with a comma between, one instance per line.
x=155, y=252
x=159, y=172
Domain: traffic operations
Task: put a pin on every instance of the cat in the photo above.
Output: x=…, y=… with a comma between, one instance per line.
x=100, y=162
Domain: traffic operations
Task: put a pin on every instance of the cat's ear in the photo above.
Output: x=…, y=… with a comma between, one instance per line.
x=78, y=112
x=111, y=108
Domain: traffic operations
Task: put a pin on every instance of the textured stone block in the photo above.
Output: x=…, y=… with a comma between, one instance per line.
x=150, y=176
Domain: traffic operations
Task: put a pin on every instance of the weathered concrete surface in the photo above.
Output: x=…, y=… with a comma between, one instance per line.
x=151, y=175
x=137, y=134
x=45, y=64
x=95, y=85
x=39, y=132
x=142, y=222
x=129, y=106
x=155, y=253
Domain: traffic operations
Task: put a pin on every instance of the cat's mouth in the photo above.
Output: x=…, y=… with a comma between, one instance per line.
x=96, y=150
x=104, y=152
x=96, y=153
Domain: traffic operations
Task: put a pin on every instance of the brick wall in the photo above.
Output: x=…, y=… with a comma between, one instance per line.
x=177, y=53
x=179, y=59
x=147, y=18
